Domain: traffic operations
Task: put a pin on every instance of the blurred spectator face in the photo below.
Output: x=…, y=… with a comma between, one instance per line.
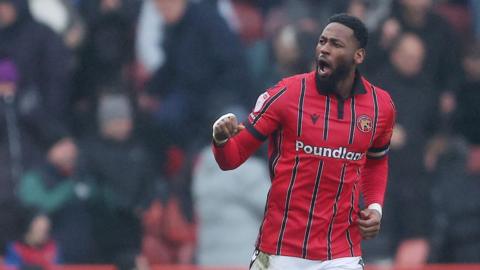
x=286, y=47
x=117, y=129
x=8, y=14
x=110, y=5
x=471, y=65
x=408, y=54
x=39, y=231
x=418, y=6
x=8, y=78
x=357, y=8
x=171, y=10
x=63, y=155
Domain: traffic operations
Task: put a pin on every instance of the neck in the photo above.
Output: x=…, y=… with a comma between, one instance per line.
x=344, y=87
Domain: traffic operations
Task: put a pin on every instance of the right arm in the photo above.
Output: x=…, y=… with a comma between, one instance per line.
x=234, y=143
x=235, y=150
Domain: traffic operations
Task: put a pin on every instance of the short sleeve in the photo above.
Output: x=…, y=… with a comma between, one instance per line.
x=381, y=144
x=266, y=115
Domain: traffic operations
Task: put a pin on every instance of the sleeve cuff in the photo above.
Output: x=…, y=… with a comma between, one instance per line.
x=376, y=206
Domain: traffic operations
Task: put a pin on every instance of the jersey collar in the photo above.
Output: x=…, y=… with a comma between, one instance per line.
x=358, y=86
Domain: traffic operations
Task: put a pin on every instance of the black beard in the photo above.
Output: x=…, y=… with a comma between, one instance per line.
x=329, y=85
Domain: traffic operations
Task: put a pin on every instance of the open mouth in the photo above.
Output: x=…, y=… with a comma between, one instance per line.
x=324, y=67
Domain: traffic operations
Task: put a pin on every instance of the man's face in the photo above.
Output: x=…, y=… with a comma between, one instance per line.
x=408, y=55
x=337, y=53
x=8, y=14
x=171, y=10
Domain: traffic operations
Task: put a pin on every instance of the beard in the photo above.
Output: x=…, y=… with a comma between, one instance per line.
x=329, y=84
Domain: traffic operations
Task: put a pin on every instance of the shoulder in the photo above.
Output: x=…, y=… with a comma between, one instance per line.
x=284, y=89
x=383, y=99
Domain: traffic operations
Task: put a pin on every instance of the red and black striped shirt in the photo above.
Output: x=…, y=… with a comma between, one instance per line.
x=323, y=151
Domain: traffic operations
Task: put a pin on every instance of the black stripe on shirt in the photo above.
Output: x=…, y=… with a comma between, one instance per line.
x=287, y=205
x=276, y=138
x=312, y=209
x=375, y=119
x=353, y=121
x=259, y=239
x=269, y=103
x=330, y=226
x=259, y=136
x=300, y=109
x=350, y=219
x=325, y=122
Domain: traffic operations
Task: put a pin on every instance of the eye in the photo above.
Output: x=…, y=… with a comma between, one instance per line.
x=322, y=41
x=337, y=45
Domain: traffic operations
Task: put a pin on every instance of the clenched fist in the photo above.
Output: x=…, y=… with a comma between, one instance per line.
x=226, y=127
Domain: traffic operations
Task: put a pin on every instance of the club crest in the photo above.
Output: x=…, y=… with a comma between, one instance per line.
x=364, y=123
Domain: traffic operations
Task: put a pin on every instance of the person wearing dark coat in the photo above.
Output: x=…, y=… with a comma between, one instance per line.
x=205, y=70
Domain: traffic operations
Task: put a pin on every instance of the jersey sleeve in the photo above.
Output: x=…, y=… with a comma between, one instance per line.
x=266, y=115
x=375, y=172
x=381, y=144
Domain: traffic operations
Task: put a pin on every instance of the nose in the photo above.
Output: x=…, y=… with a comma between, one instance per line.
x=323, y=49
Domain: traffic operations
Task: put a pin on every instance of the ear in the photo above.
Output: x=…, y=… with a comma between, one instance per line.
x=359, y=56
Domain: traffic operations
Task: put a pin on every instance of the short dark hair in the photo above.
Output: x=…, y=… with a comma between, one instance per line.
x=359, y=29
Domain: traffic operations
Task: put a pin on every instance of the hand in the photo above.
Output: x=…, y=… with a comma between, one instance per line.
x=369, y=223
x=226, y=127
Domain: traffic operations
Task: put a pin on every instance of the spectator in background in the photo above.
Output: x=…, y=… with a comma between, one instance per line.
x=23, y=124
x=35, y=249
x=204, y=67
x=62, y=17
x=242, y=205
x=442, y=62
x=54, y=188
x=42, y=91
x=408, y=215
x=456, y=231
x=105, y=56
x=292, y=53
x=120, y=168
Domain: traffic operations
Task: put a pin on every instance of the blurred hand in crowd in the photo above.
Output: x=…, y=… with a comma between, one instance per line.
x=39, y=231
x=399, y=137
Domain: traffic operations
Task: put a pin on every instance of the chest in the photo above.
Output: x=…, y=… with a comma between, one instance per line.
x=328, y=124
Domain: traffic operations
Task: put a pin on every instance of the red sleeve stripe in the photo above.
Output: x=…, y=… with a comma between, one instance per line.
x=300, y=109
x=375, y=120
x=268, y=104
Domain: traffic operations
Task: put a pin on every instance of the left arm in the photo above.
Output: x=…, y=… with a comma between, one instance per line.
x=374, y=177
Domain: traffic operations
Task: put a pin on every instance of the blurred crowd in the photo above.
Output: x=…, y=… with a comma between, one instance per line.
x=106, y=109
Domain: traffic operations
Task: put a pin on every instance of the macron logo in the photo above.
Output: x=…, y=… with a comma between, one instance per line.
x=338, y=153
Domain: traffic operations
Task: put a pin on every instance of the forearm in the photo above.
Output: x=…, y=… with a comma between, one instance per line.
x=374, y=180
x=236, y=150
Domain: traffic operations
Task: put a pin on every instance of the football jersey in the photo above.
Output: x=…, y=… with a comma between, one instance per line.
x=319, y=144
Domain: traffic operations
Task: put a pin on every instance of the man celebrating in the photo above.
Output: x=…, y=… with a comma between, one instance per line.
x=329, y=132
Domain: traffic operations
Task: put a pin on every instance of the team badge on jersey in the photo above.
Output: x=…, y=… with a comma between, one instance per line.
x=364, y=123
x=260, y=101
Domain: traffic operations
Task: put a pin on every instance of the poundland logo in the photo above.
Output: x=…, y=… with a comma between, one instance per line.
x=340, y=153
